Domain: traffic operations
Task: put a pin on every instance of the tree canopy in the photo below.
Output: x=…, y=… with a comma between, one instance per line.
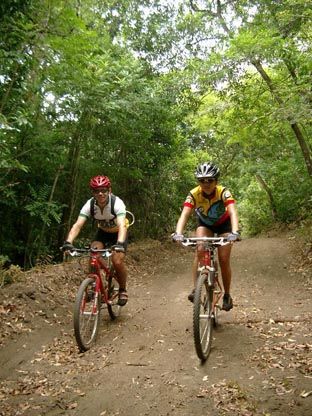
x=142, y=91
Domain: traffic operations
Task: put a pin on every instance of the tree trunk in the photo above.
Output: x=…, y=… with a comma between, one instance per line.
x=268, y=191
x=295, y=127
x=71, y=185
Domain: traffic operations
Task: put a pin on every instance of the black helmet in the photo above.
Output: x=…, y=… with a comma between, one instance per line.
x=207, y=170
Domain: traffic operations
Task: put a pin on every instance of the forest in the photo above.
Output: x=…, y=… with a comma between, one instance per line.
x=142, y=91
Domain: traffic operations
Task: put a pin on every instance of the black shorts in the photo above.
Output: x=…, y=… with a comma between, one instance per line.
x=108, y=239
x=223, y=228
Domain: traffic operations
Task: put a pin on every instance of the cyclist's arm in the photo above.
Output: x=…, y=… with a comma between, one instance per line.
x=76, y=228
x=185, y=215
x=234, y=217
x=122, y=228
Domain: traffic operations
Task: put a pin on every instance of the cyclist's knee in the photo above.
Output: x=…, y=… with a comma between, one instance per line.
x=118, y=261
x=200, y=250
x=97, y=245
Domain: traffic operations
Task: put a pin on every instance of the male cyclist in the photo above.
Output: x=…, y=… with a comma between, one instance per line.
x=109, y=211
x=216, y=213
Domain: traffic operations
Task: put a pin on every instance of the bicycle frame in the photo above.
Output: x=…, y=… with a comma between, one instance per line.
x=95, y=270
x=208, y=264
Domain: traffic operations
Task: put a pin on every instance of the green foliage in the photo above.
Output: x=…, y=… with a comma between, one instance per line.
x=143, y=92
x=43, y=209
x=254, y=211
x=8, y=164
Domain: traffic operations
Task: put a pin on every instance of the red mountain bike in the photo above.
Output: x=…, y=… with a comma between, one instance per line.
x=99, y=287
x=208, y=292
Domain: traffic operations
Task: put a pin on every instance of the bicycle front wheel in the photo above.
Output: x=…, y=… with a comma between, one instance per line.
x=203, y=317
x=86, y=314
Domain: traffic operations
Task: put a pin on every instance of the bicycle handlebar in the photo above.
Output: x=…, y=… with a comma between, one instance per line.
x=76, y=251
x=212, y=241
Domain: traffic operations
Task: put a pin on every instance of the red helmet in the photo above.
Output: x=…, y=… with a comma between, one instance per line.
x=100, y=182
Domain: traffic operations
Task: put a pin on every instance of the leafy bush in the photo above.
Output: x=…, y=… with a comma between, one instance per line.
x=254, y=210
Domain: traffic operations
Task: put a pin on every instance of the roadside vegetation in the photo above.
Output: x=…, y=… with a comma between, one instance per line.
x=142, y=91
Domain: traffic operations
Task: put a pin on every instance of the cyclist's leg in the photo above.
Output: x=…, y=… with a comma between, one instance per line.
x=98, y=240
x=224, y=255
x=121, y=276
x=118, y=260
x=97, y=243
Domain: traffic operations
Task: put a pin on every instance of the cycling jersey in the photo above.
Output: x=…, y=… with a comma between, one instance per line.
x=105, y=218
x=213, y=206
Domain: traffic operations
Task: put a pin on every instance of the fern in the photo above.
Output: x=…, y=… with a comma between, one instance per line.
x=42, y=208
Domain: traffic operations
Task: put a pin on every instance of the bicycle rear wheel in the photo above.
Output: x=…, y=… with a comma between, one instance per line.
x=113, y=289
x=86, y=314
x=202, y=317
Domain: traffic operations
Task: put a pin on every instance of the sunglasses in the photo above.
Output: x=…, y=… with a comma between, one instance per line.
x=101, y=191
x=206, y=180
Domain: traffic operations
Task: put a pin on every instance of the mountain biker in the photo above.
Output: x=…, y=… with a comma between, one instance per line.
x=109, y=212
x=216, y=213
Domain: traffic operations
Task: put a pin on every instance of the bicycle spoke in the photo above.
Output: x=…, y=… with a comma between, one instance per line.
x=204, y=332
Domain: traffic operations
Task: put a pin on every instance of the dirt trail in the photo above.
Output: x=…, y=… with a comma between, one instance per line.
x=144, y=363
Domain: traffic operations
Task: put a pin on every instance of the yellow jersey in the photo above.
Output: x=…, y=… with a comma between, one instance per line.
x=213, y=206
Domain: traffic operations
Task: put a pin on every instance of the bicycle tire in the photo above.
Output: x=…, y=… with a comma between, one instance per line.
x=202, y=317
x=112, y=306
x=87, y=310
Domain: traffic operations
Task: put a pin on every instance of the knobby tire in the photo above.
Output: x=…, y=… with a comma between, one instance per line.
x=86, y=314
x=202, y=317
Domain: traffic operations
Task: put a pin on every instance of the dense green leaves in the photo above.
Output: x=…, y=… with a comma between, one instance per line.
x=142, y=91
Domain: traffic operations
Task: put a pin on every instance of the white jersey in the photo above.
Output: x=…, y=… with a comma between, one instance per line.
x=104, y=217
